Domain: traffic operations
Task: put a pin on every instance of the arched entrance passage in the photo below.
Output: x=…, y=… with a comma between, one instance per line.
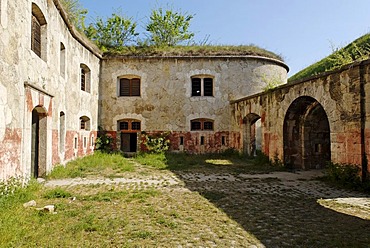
x=306, y=135
x=38, y=142
x=252, y=134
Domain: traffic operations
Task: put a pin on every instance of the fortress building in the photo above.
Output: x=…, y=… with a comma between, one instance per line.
x=56, y=88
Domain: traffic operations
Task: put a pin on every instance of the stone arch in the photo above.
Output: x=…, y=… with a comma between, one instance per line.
x=306, y=135
x=249, y=133
x=38, y=142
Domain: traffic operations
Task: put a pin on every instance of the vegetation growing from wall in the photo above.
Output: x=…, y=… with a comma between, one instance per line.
x=356, y=51
x=156, y=143
x=115, y=31
x=194, y=50
x=169, y=28
x=169, y=35
x=76, y=13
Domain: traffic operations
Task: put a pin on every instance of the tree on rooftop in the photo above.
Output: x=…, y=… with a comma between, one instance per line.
x=114, y=32
x=168, y=27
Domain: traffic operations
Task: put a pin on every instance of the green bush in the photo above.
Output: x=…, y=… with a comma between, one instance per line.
x=347, y=175
x=157, y=143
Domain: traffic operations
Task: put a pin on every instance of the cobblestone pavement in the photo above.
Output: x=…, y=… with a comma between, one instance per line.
x=280, y=209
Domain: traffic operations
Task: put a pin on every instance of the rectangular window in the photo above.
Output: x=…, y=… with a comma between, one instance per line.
x=196, y=125
x=181, y=141
x=223, y=140
x=135, y=125
x=208, y=125
x=196, y=87
x=123, y=125
x=208, y=87
x=36, y=36
x=202, y=140
x=85, y=142
x=83, y=80
x=75, y=143
x=129, y=87
x=83, y=125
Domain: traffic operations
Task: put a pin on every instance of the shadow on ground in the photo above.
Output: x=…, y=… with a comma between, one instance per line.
x=278, y=213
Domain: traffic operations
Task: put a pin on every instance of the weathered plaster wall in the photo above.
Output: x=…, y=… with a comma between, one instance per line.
x=166, y=103
x=28, y=81
x=338, y=92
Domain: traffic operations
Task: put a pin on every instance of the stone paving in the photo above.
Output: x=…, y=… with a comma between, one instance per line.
x=281, y=209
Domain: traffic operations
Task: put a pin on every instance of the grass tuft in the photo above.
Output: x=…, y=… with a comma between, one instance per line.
x=97, y=164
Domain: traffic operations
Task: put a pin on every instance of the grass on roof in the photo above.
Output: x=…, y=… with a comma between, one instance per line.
x=355, y=51
x=208, y=50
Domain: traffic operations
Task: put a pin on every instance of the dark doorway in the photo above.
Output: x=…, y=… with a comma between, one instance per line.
x=35, y=144
x=38, y=142
x=129, y=142
x=252, y=134
x=306, y=135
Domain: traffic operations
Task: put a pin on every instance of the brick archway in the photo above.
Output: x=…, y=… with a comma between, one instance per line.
x=306, y=135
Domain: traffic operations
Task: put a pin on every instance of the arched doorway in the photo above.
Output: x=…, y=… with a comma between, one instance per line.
x=306, y=135
x=38, y=142
x=252, y=134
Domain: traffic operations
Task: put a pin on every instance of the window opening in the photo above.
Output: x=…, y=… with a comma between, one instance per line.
x=129, y=87
x=202, y=140
x=201, y=125
x=36, y=36
x=129, y=125
x=181, y=141
x=84, y=123
x=201, y=86
x=85, y=78
x=62, y=59
x=223, y=140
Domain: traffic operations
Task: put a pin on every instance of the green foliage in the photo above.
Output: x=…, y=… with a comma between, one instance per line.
x=271, y=83
x=169, y=27
x=57, y=193
x=115, y=31
x=104, y=142
x=157, y=143
x=76, y=14
x=356, y=51
x=97, y=164
x=195, y=50
x=155, y=160
x=347, y=175
x=10, y=186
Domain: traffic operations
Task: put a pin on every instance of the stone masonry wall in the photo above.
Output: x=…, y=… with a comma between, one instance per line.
x=339, y=93
x=166, y=103
x=50, y=82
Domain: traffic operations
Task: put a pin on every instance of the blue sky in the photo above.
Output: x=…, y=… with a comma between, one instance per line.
x=302, y=31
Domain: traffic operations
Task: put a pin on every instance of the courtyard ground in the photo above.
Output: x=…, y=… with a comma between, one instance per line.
x=200, y=206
